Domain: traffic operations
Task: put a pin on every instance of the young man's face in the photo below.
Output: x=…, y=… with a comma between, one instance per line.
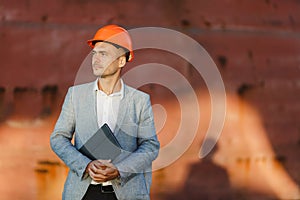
x=107, y=60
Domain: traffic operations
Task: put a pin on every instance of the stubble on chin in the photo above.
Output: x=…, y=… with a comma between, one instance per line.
x=98, y=72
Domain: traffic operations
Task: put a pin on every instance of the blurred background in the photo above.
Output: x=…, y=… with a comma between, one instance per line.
x=254, y=43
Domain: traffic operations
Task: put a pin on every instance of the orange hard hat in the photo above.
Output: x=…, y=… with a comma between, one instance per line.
x=115, y=35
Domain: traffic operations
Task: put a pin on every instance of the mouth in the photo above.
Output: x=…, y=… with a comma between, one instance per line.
x=95, y=66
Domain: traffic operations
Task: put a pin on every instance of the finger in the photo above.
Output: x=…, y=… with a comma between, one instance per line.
x=103, y=171
x=97, y=177
x=94, y=167
x=100, y=164
x=109, y=164
x=99, y=167
x=108, y=171
x=99, y=170
x=103, y=161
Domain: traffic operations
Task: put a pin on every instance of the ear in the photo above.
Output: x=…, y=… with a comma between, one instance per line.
x=122, y=61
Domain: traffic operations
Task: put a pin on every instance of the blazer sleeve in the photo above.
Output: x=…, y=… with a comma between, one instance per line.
x=148, y=146
x=60, y=139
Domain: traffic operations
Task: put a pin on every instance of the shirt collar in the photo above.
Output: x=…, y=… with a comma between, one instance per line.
x=121, y=92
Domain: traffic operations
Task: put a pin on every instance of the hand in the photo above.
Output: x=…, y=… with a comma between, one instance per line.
x=102, y=170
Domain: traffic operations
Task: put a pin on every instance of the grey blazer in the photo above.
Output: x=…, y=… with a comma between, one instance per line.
x=134, y=130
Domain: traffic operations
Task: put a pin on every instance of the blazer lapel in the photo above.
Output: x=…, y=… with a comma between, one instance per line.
x=122, y=109
x=86, y=96
x=91, y=106
x=94, y=109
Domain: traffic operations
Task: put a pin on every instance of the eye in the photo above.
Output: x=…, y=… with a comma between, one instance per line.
x=102, y=53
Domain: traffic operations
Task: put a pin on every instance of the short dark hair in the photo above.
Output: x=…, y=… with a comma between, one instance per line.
x=127, y=52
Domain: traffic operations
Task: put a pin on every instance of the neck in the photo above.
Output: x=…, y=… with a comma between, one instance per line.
x=110, y=84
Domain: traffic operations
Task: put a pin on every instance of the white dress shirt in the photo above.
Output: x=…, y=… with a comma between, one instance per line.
x=107, y=109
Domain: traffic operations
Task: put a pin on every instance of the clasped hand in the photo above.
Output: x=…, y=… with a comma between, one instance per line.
x=102, y=170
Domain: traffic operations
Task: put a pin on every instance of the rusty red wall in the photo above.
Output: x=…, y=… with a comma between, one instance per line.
x=255, y=44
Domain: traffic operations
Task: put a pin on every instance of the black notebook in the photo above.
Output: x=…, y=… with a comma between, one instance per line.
x=102, y=145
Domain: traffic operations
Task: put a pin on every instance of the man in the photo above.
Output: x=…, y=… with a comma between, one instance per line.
x=128, y=113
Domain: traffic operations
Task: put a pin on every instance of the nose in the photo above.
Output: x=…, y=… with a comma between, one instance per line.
x=96, y=58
